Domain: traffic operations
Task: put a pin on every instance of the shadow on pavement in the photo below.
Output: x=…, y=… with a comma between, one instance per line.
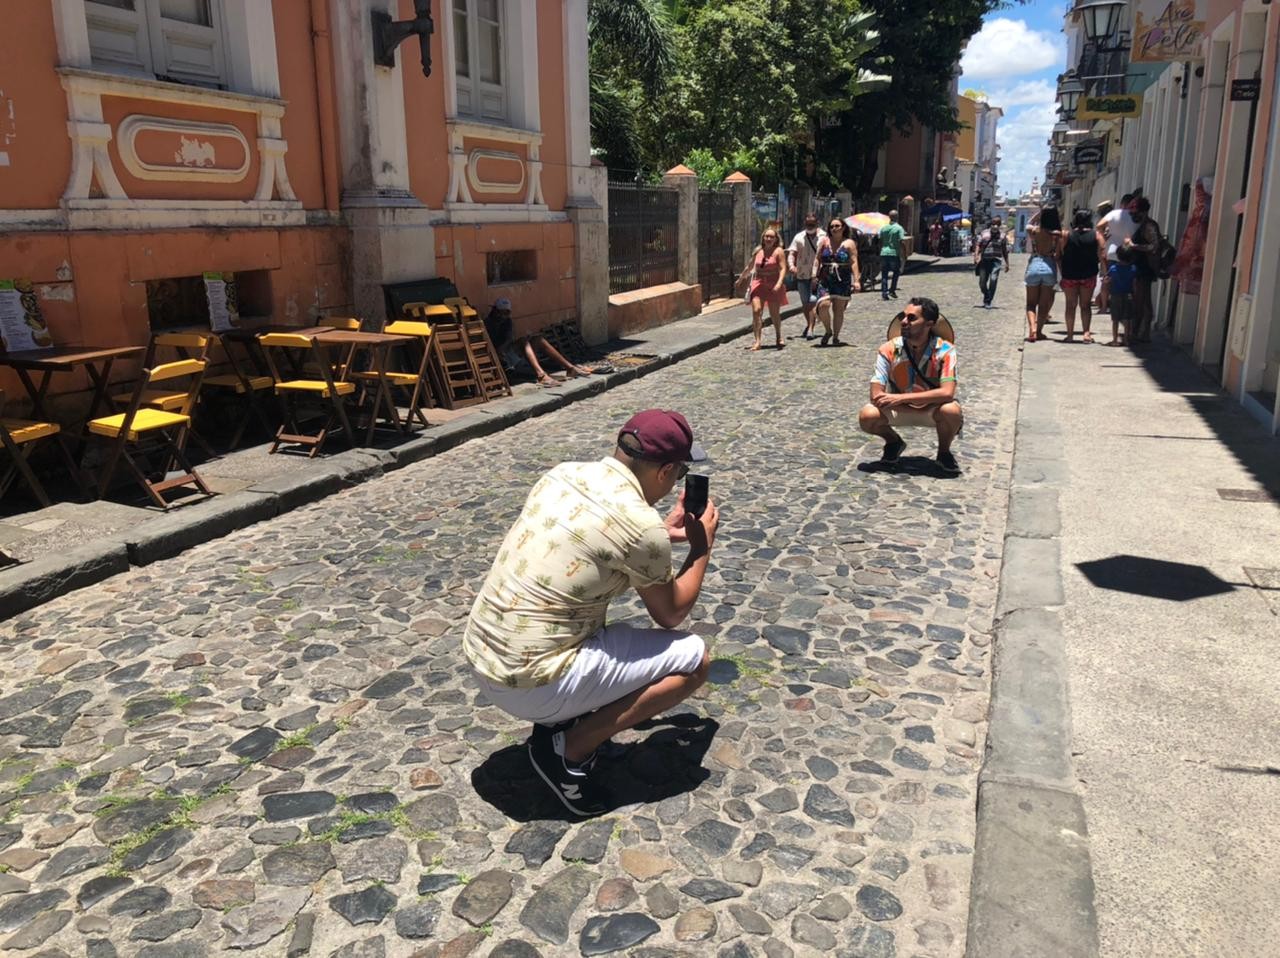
x=911, y=466
x=666, y=763
x=1154, y=578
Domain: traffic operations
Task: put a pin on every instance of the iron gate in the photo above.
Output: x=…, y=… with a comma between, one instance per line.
x=715, y=243
x=643, y=235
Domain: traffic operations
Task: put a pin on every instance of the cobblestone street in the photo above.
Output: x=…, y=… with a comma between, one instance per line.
x=272, y=742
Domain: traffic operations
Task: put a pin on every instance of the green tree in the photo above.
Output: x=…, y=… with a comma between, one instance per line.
x=632, y=56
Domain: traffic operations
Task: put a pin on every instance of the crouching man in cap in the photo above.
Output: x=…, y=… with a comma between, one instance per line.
x=537, y=637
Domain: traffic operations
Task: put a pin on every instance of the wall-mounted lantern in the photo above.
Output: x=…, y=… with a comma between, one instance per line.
x=389, y=34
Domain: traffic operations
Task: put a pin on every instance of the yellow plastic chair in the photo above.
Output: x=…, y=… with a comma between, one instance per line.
x=167, y=429
x=430, y=312
x=349, y=323
x=327, y=390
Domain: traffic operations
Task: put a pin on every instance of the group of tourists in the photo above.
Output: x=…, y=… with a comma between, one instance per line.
x=824, y=267
x=1110, y=266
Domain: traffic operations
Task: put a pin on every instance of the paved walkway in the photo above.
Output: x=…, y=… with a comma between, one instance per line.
x=1170, y=543
x=271, y=741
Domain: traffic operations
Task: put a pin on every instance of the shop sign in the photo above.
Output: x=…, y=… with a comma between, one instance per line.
x=1245, y=90
x=1167, y=30
x=1087, y=154
x=1118, y=106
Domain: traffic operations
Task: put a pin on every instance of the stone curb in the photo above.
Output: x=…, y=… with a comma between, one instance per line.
x=163, y=537
x=1032, y=887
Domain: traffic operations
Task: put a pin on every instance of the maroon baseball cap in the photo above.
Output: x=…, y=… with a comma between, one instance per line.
x=663, y=436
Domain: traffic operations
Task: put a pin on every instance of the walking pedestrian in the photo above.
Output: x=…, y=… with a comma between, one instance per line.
x=992, y=249
x=892, y=255
x=537, y=640
x=802, y=261
x=768, y=273
x=1044, y=236
x=1145, y=242
x=1080, y=273
x=838, y=276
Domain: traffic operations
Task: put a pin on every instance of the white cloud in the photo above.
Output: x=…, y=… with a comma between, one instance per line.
x=1026, y=93
x=1006, y=47
x=1024, y=149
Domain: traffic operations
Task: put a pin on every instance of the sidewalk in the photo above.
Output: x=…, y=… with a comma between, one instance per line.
x=70, y=545
x=1146, y=523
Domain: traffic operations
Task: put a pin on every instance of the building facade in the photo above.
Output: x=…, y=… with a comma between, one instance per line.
x=147, y=142
x=1204, y=147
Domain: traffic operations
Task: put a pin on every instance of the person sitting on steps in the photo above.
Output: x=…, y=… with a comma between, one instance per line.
x=915, y=385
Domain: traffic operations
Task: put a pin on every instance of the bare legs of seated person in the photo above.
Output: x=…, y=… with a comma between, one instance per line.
x=534, y=343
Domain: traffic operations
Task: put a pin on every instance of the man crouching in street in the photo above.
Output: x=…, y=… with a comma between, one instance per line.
x=914, y=384
x=537, y=637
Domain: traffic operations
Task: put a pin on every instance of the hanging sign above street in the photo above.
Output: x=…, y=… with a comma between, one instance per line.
x=1114, y=107
x=1165, y=30
x=1087, y=154
x=1245, y=90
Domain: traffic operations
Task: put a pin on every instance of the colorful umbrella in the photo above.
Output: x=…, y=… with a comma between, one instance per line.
x=867, y=222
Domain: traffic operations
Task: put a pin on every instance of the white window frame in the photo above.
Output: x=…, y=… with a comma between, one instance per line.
x=477, y=98
x=519, y=34
x=158, y=42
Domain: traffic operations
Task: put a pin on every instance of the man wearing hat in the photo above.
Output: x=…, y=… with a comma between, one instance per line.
x=915, y=385
x=537, y=637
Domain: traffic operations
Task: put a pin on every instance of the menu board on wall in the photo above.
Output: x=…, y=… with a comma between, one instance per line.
x=224, y=308
x=21, y=324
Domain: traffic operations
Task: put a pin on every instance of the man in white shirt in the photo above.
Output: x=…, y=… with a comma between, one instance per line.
x=802, y=262
x=1114, y=228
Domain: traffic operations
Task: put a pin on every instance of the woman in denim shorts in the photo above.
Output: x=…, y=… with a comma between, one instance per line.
x=1044, y=232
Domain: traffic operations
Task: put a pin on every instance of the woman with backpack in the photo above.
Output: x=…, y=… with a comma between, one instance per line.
x=1080, y=273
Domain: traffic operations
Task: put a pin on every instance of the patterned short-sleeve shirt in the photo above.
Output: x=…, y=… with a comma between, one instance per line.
x=585, y=536
x=896, y=374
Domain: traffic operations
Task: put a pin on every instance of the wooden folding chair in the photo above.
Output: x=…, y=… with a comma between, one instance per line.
x=177, y=346
x=462, y=309
x=166, y=429
x=242, y=383
x=454, y=368
x=416, y=384
x=325, y=388
x=349, y=324
x=484, y=357
x=20, y=437
x=430, y=312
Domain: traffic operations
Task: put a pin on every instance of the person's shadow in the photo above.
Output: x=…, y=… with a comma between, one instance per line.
x=666, y=763
x=909, y=466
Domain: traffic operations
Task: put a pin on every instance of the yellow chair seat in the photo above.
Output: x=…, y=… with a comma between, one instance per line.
x=395, y=378
x=158, y=398
x=315, y=386
x=145, y=420
x=232, y=381
x=26, y=430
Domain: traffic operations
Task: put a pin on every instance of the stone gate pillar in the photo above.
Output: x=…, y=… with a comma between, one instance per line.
x=686, y=182
x=743, y=222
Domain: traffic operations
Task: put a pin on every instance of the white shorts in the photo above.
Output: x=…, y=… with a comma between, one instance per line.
x=910, y=416
x=616, y=661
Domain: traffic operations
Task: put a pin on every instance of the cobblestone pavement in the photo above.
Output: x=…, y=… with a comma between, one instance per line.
x=271, y=742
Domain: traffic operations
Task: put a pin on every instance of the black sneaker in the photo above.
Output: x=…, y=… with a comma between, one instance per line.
x=568, y=782
x=826, y=338
x=893, y=450
x=893, y=294
x=947, y=463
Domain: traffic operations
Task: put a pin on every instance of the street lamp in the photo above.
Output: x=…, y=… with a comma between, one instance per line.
x=1102, y=22
x=1069, y=90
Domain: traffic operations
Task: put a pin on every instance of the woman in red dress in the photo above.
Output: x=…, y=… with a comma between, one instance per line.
x=767, y=271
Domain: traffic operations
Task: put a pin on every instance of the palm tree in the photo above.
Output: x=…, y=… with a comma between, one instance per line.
x=632, y=55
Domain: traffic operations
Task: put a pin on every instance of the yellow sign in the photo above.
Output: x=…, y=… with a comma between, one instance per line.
x=1114, y=107
x=1165, y=30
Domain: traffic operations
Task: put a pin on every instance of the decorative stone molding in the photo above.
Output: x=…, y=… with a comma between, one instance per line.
x=195, y=160
x=89, y=134
x=462, y=178
x=481, y=185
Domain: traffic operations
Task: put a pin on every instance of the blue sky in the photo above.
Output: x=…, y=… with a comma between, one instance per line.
x=1015, y=59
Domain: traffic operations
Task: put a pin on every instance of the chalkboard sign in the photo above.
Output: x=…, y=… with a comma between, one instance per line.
x=1245, y=90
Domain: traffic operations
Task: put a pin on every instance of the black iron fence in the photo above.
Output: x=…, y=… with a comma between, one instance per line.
x=643, y=235
x=715, y=243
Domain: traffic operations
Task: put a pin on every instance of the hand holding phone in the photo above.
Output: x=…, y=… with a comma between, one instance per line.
x=696, y=490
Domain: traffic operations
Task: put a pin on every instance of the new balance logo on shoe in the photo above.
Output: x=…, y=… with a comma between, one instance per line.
x=571, y=792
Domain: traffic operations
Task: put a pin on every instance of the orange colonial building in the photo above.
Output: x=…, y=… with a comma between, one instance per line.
x=145, y=142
